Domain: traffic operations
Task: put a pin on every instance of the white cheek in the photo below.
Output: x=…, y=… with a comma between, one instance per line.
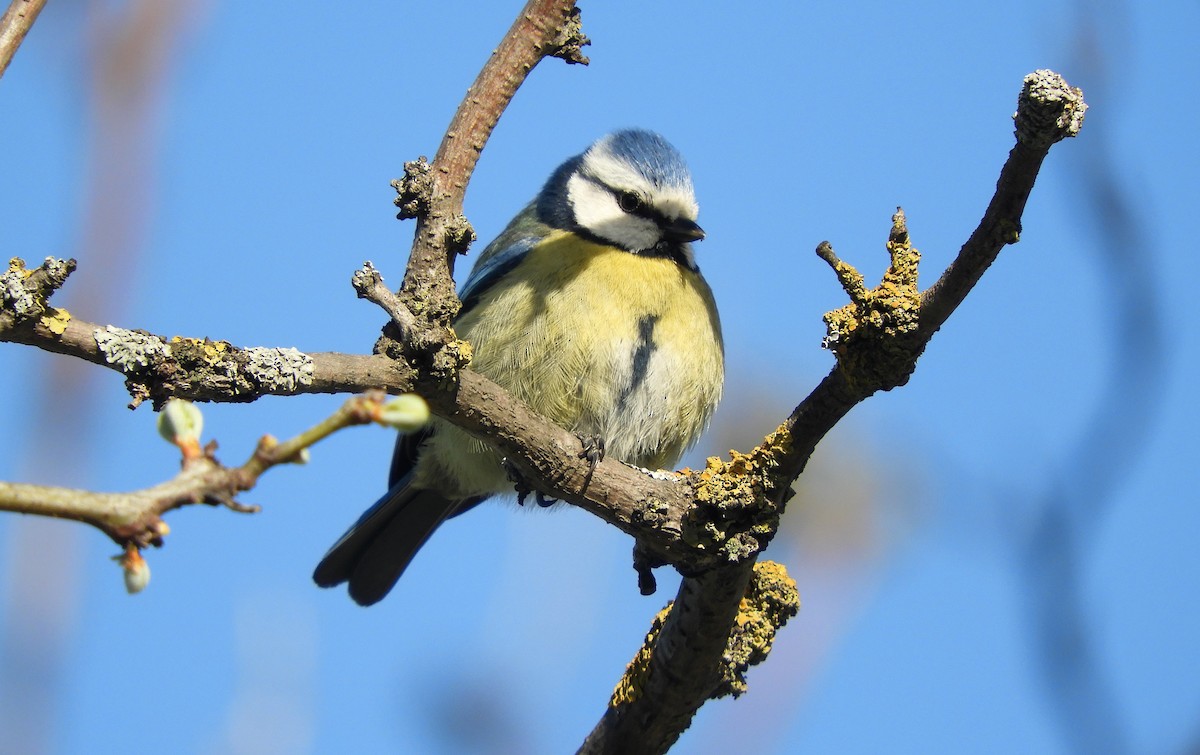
x=596, y=210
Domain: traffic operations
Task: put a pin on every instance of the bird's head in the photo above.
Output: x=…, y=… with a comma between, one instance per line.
x=630, y=189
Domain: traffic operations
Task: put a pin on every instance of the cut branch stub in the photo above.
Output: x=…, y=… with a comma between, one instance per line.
x=24, y=293
x=571, y=40
x=413, y=192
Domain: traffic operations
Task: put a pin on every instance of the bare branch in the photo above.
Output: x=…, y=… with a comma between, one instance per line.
x=1048, y=110
x=543, y=28
x=711, y=524
x=134, y=519
x=14, y=25
x=158, y=368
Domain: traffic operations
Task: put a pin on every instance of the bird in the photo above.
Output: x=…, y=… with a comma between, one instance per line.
x=590, y=308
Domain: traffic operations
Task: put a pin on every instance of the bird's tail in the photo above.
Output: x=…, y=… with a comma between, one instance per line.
x=375, y=551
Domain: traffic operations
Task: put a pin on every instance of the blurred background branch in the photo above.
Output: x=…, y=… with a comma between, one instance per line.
x=14, y=25
x=1058, y=542
x=129, y=55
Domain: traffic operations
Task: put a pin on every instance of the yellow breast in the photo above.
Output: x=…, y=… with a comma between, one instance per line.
x=623, y=346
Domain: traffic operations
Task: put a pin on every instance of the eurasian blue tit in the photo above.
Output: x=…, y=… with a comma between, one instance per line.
x=588, y=307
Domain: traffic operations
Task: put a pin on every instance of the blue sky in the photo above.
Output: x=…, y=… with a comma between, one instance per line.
x=265, y=185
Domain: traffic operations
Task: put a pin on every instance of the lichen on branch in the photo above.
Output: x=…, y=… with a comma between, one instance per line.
x=738, y=502
x=771, y=600
x=1048, y=110
x=876, y=337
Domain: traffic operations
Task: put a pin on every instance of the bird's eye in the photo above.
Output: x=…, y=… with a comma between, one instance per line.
x=629, y=201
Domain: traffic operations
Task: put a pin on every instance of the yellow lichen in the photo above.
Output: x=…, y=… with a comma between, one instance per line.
x=202, y=349
x=633, y=681
x=55, y=320
x=737, y=506
x=771, y=600
x=17, y=265
x=875, y=337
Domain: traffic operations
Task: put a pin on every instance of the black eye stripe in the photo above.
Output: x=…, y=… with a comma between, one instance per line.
x=633, y=204
x=638, y=205
x=630, y=202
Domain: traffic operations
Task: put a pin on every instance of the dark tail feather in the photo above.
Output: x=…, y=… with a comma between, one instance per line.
x=374, y=552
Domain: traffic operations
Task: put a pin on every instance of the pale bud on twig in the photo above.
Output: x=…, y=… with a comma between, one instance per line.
x=180, y=422
x=137, y=571
x=407, y=412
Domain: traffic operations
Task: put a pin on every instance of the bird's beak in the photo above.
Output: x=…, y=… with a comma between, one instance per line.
x=682, y=229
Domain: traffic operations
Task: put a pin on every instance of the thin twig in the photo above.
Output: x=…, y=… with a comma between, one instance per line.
x=1048, y=110
x=135, y=518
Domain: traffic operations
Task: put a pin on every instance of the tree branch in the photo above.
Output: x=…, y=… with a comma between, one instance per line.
x=543, y=28
x=877, y=339
x=200, y=369
x=134, y=519
x=1048, y=110
x=763, y=598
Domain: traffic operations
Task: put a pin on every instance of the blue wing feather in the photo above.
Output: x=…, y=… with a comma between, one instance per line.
x=491, y=269
x=525, y=232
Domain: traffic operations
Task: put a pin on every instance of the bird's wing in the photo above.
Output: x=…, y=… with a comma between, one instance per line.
x=487, y=271
x=523, y=233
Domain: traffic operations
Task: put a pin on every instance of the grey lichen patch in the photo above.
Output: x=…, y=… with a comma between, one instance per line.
x=130, y=350
x=15, y=297
x=737, y=501
x=365, y=279
x=651, y=512
x=771, y=600
x=1048, y=110
x=200, y=368
x=57, y=271
x=459, y=234
x=278, y=370
x=742, y=545
x=220, y=368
